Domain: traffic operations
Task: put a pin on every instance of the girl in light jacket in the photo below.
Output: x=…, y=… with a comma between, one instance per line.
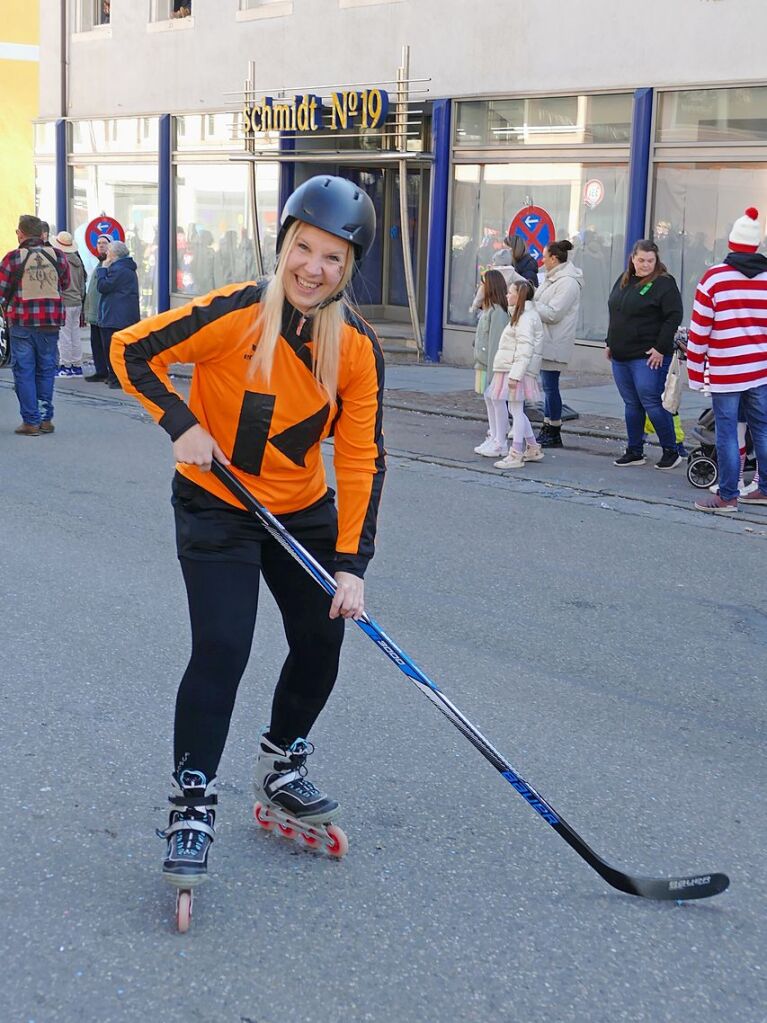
x=557, y=301
x=492, y=321
x=516, y=369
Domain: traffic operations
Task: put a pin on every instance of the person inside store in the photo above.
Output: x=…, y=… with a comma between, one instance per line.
x=645, y=309
x=279, y=366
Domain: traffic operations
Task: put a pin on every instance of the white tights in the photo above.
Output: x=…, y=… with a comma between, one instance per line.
x=498, y=421
x=523, y=431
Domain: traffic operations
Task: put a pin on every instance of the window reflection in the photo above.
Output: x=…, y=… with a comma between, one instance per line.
x=214, y=239
x=694, y=209
x=486, y=199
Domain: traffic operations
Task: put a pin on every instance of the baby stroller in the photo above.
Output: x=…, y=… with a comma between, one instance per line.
x=702, y=468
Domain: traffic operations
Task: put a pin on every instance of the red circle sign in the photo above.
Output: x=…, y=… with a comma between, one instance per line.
x=536, y=227
x=103, y=225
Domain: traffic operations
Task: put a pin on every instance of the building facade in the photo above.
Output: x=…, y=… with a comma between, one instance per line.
x=572, y=120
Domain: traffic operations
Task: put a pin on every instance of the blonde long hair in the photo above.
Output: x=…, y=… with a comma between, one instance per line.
x=327, y=323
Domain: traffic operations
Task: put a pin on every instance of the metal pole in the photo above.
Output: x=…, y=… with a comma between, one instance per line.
x=250, y=90
x=403, y=73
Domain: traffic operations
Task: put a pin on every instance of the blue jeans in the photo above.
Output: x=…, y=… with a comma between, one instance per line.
x=552, y=399
x=34, y=361
x=641, y=389
x=753, y=409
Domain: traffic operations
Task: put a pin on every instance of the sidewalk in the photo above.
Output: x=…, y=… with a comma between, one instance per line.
x=449, y=391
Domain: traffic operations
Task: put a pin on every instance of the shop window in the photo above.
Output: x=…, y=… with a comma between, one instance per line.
x=713, y=115
x=128, y=192
x=90, y=14
x=587, y=204
x=544, y=121
x=115, y=135
x=693, y=211
x=214, y=240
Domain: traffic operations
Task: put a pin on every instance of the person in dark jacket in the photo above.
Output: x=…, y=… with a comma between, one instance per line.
x=645, y=309
x=525, y=264
x=117, y=282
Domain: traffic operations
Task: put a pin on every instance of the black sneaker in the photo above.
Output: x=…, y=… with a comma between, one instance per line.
x=630, y=458
x=670, y=460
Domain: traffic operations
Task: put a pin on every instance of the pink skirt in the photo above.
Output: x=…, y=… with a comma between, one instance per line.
x=527, y=389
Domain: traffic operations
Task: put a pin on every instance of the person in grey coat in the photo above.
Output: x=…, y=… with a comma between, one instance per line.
x=493, y=319
x=91, y=313
x=557, y=302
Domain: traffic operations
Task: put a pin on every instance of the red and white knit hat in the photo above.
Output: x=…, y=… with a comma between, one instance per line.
x=746, y=234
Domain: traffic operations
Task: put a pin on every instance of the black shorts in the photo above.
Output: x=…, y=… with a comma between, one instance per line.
x=209, y=529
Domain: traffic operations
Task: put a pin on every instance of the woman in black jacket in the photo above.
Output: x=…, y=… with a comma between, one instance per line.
x=645, y=310
x=525, y=264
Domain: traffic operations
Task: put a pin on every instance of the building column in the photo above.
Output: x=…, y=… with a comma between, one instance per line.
x=62, y=177
x=287, y=173
x=437, y=244
x=164, y=173
x=639, y=167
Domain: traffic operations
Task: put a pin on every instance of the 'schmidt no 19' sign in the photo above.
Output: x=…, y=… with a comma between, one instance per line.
x=346, y=110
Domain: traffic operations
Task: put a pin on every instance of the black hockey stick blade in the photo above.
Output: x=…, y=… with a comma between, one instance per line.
x=679, y=889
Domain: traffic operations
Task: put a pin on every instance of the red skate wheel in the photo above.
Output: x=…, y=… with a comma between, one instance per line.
x=262, y=816
x=338, y=844
x=310, y=841
x=286, y=830
x=183, y=910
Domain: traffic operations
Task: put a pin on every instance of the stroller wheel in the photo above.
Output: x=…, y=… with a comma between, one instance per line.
x=702, y=471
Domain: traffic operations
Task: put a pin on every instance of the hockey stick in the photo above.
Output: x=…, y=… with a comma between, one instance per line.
x=696, y=886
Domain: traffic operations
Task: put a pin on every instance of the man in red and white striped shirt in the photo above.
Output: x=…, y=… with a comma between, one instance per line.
x=728, y=337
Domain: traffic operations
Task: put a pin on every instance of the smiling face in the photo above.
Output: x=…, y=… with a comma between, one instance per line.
x=314, y=267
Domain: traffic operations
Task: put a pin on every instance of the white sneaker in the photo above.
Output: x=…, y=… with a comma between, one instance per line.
x=480, y=449
x=533, y=453
x=490, y=450
x=514, y=460
x=743, y=489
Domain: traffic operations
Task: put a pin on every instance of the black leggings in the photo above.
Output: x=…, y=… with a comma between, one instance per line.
x=223, y=597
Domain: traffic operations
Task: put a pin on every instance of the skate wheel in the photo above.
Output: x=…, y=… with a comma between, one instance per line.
x=262, y=817
x=183, y=910
x=338, y=843
x=310, y=841
x=286, y=830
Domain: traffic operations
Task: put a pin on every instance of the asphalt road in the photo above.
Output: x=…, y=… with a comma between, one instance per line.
x=608, y=640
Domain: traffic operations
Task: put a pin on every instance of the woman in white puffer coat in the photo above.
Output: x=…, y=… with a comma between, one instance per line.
x=557, y=300
x=516, y=369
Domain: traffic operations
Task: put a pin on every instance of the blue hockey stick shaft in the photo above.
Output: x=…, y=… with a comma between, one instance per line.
x=680, y=888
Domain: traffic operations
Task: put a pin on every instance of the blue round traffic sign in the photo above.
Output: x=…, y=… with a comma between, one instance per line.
x=103, y=225
x=536, y=227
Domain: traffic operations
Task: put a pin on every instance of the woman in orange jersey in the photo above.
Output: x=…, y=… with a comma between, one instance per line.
x=280, y=364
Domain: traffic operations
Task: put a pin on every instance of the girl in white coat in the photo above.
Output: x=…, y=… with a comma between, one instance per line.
x=516, y=370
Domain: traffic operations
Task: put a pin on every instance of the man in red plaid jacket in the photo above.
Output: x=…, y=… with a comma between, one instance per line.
x=32, y=278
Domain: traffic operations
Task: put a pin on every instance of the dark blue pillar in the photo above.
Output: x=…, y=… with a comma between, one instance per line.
x=639, y=167
x=437, y=245
x=164, y=171
x=287, y=171
x=62, y=179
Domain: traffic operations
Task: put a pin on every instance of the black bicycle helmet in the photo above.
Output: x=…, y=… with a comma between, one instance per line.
x=335, y=205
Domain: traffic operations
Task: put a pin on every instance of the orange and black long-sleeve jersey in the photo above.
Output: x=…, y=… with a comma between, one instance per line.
x=270, y=431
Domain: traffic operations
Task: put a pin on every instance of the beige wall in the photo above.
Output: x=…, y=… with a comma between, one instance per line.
x=499, y=46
